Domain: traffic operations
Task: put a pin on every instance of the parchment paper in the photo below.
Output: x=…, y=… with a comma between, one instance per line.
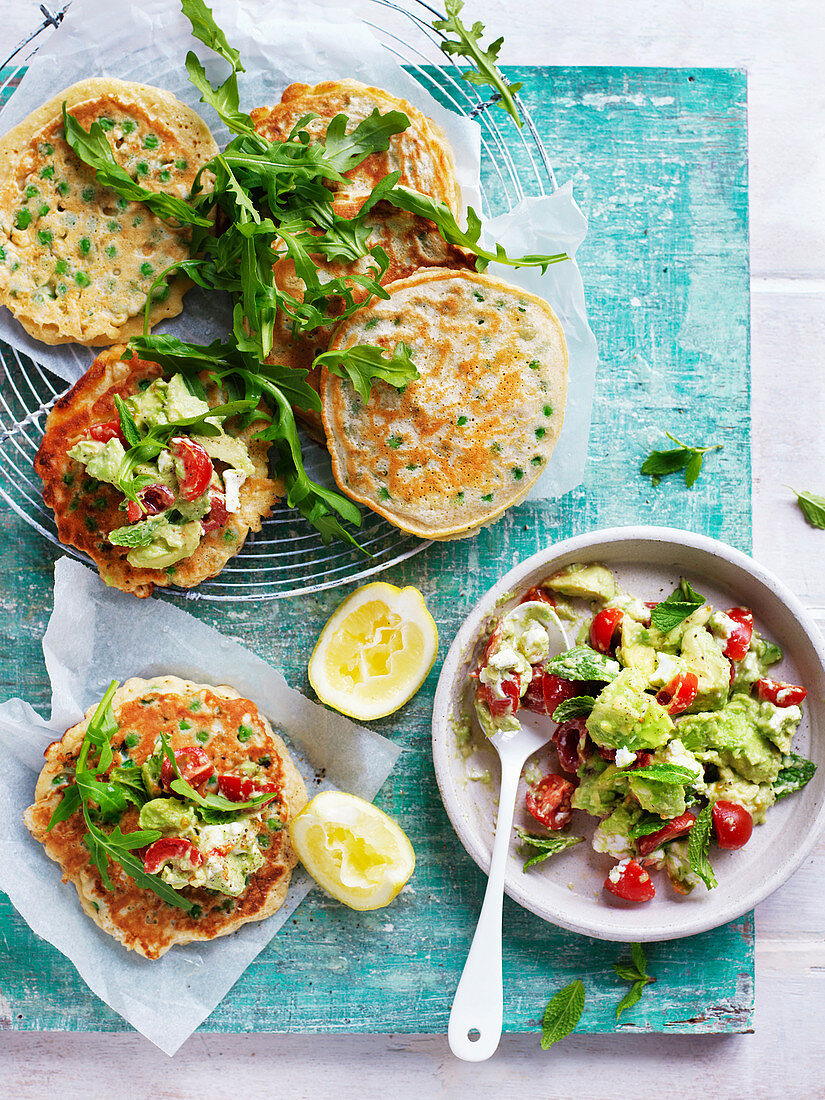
x=97, y=634
x=281, y=43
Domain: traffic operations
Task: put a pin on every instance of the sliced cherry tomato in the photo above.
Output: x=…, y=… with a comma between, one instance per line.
x=217, y=515
x=630, y=881
x=642, y=759
x=239, y=789
x=781, y=695
x=537, y=594
x=197, y=467
x=194, y=766
x=669, y=831
x=732, y=824
x=549, y=801
x=568, y=740
x=679, y=693
x=603, y=627
x=739, y=639
x=546, y=691
x=511, y=687
x=102, y=433
x=168, y=848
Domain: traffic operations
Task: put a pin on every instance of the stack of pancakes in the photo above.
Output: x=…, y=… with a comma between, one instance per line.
x=470, y=437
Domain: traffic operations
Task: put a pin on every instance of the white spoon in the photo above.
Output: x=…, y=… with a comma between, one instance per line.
x=474, y=1030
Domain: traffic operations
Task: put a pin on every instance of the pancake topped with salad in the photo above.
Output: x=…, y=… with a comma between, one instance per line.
x=671, y=729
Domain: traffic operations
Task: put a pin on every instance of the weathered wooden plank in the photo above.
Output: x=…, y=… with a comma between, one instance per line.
x=658, y=159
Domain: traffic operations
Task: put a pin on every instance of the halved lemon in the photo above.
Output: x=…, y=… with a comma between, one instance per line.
x=352, y=849
x=375, y=651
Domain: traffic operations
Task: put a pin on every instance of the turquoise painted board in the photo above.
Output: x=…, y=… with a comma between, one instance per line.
x=659, y=162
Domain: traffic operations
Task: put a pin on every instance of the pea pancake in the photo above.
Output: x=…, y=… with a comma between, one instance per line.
x=236, y=869
x=421, y=153
x=186, y=540
x=77, y=261
x=410, y=242
x=466, y=440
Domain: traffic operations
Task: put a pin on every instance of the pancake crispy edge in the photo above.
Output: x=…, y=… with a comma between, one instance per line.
x=421, y=153
x=86, y=510
x=77, y=261
x=136, y=917
x=472, y=435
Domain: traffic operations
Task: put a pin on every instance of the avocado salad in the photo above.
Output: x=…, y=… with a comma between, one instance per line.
x=161, y=455
x=671, y=730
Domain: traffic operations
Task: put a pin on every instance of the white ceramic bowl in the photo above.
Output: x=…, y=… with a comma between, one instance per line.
x=567, y=888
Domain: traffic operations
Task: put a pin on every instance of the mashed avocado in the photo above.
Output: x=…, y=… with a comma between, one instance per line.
x=625, y=716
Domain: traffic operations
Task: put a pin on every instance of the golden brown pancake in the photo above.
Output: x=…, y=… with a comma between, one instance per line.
x=136, y=916
x=466, y=440
x=421, y=153
x=411, y=243
x=86, y=510
x=77, y=261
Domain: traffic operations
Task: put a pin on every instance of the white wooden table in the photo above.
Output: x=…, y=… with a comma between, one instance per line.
x=781, y=43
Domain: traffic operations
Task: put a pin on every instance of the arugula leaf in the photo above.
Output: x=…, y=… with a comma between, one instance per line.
x=224, y=100
x=699, y=845
x=795, y=773
x=683, y=601
x=206, y=30
x=130, y=780
x=672, y=774
x=93, y=148
x=469, y=45
x=562, y=1014
x=127, y=422
x=813, y=507
x=362, y=363
x=208, y=801
x=68, y=804
x=577, y=707
x=546, y=846
x=659, y=464
x=372, y=135
x=636, y=974
x=416, y=203
x=583, y=663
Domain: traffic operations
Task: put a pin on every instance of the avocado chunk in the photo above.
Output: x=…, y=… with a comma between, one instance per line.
x=102, y=460
x=612, y=835
x=170, y=543
x=168, y=815
x=665, y=799
x=587, y=582
x=636, y=650
x=704, y=657
x=734, y=737
x=599, y=791
x=625, y=716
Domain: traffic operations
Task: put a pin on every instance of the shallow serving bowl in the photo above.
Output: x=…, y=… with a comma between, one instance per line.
x=567, y=889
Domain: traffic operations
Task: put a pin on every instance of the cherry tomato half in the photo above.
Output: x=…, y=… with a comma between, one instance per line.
x=568, y=739
x=197, y=467
x=669, y=831
x=603, y=627
x=546, y=691
x=193, y=764
x=739, y=638
x=217, y=515
x=102, y=433
x=537, y=594
x=679, y=693
x=630, y=881
x=732, y=824
x=781, y=695
x=511, y=686
x=154, y=498
x=549, y=801
x=238, y=789
x=167, y=848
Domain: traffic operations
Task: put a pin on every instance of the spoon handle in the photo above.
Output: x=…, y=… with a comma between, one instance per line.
x=476, y=1016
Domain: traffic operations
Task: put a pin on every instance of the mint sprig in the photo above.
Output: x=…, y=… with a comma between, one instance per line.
x=635, y=973
x=659, y=464
x=681, y=603
x=545, y=846
x=812, y=506
x=699, y=846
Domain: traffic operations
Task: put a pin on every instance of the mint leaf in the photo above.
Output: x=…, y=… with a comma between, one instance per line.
x=645, y=827
x=562, y=1014
x=546, y=846
x=637, y=974
x=583, y=663
x=813, y=507
x=796, y=772
x=672, y=774
x=698, y=847
x=577, y=707
x=659, y=464
x=137, y=534
x=363, y=363
x=468, y=44
x=668, y=614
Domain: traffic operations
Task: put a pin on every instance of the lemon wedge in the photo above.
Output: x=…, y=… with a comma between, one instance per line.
x=352, y=849
x=375, y=651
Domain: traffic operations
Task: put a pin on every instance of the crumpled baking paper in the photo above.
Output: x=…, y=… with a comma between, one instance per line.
x=281, y=43
x=97, y=634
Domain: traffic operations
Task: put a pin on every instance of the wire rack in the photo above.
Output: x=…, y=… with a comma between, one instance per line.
x=287, y=557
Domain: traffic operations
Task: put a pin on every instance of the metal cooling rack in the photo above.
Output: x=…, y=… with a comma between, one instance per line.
x=287, y=557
